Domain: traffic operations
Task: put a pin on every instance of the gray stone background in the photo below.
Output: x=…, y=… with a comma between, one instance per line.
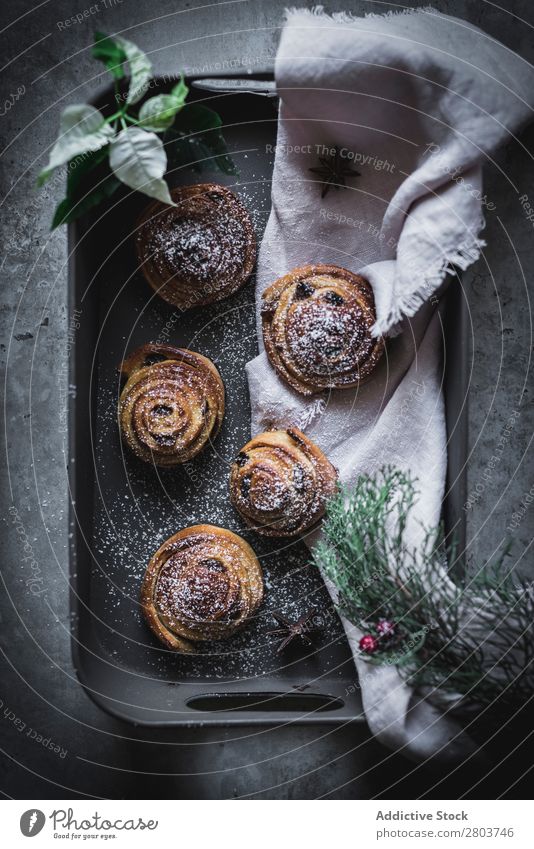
x=45, y=67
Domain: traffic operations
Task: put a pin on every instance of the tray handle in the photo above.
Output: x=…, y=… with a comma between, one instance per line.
x=265, y=702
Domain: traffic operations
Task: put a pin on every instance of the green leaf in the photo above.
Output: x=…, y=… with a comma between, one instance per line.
x=138, y=159
x=85, y=188
x=79, y=167
x=195, y=118
x=108, y=51
x=180, y=91
x=219, y=152
x=61, y=213
x=158, y=113
x=196, y=139
x=140, y=69
x=70, y=208
x=82, y=129
x=189, y=151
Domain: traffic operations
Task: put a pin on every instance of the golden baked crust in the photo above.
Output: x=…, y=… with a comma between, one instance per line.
x=317, y=324
x=280, y=481
x=201, y=250
x=172, y=404
x=204, y=583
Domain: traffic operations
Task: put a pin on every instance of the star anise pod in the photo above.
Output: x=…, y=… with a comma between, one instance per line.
x=298, y=630
x=334, y=170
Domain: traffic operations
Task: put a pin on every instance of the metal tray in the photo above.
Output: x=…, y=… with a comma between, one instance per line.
x=121, y=510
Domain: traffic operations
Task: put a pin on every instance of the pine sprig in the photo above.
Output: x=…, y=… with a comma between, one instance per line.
x=471, y=641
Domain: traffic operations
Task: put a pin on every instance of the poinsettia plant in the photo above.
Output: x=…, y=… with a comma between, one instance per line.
x=130, y=146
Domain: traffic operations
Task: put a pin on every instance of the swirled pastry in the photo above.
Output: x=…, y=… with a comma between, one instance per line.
x=199, y=251
x=280, y=481
x=204, y=583
x=317, y=324
x=172, y=404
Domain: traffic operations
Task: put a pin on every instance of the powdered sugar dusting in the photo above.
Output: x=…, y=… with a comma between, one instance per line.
x=137, y=507
x=200, y=250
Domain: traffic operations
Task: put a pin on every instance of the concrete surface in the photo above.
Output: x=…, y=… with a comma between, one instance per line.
x=48, y=66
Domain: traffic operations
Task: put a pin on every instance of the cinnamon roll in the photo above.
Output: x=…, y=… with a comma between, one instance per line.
x=201, y=250
x=280, y=481
x=317, y=324
x=172, y=404
x=204, y=583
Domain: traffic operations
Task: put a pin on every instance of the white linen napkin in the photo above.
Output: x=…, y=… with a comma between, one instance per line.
x=416, y=101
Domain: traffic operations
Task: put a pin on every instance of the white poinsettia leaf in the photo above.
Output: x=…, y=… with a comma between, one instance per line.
x=138, y=159
x=81, y=129
x=140, y=69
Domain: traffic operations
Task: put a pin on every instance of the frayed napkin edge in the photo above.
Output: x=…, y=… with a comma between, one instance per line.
x=467, y=253
x=349, y=18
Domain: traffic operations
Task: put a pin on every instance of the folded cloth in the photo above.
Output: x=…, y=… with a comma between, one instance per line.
x=415, y=101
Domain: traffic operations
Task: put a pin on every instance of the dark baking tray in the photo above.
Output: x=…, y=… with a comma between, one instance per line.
x=122, y=510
